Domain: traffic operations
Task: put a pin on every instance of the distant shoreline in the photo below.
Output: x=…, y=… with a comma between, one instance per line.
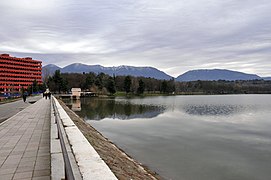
x=123, y=94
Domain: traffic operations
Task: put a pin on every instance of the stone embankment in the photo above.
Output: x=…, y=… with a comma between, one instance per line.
x=90, y=164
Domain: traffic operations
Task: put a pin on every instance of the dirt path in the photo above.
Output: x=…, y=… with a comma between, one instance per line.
x=120, y=163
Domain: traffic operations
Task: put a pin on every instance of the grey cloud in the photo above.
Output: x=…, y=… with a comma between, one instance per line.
x=174, y=36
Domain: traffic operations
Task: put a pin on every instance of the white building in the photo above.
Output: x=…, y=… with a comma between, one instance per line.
x=76, y=92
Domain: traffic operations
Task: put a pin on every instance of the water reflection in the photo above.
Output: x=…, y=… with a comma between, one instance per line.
x=100, y=108
x=76, y=105
x=215, y=110
x=122, y=108
x=186, y=142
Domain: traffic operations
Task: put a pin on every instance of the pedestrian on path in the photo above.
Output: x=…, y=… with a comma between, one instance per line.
x=47, y=94
x=24, y=97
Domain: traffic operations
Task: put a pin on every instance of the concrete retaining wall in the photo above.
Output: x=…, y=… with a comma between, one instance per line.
x=90, y=164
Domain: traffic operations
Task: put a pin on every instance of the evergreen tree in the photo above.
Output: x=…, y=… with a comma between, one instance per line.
x=100, y=81
x=57, y=80
x=90, y=79
x=35, y=86
x=111, y=87
x=64, y=85
x=164, y=86
x=141, y=88
x=127, y=84
x=171, y=86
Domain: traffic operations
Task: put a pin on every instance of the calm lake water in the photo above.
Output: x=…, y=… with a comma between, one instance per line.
x=189, y=137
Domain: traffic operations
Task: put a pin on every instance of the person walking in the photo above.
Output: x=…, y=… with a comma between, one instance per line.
x=24, y=97
x=46, y=94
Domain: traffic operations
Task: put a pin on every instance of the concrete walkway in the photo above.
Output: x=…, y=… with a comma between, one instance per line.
x=9, y=109
x=25, y=143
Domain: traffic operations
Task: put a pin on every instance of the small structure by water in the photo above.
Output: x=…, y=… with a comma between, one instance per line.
x=76, y=93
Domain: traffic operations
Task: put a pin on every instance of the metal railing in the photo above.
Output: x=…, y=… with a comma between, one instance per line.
x=67, y=164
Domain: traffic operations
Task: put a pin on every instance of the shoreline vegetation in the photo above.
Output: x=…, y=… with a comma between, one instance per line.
x=121, y=164
x=105, y=85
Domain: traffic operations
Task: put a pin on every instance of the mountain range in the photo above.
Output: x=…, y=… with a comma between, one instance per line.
x=215, y=74
x=118, y=70
x=193, y=75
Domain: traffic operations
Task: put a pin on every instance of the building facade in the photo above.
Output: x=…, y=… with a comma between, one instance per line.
x=17, y=73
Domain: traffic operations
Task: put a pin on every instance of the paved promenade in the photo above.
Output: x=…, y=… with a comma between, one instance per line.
x=25, y=143
x=9, y=109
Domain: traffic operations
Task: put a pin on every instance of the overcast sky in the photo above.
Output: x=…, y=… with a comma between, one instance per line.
x=172, y=35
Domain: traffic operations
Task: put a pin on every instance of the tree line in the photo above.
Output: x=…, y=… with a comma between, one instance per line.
x=105, y=84
x=226, y=87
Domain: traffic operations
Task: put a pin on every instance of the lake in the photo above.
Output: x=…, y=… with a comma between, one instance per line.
x=225, y=137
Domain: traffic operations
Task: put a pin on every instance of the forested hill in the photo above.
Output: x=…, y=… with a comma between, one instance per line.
x=267, y=78
x=117, y=71
x=193, y=75
x=215, y=75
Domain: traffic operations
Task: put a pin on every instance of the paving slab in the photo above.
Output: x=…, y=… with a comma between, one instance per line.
x=9, y=109
x=25, y=142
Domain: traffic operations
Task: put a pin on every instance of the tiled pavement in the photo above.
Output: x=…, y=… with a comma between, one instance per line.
x=25, y=144
x=9, y=109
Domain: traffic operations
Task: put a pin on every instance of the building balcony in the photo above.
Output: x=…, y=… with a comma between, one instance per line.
x=3, y=61
x=23, y=68
x=4, y=70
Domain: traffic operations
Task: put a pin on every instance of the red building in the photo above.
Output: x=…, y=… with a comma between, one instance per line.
x=18, y=73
